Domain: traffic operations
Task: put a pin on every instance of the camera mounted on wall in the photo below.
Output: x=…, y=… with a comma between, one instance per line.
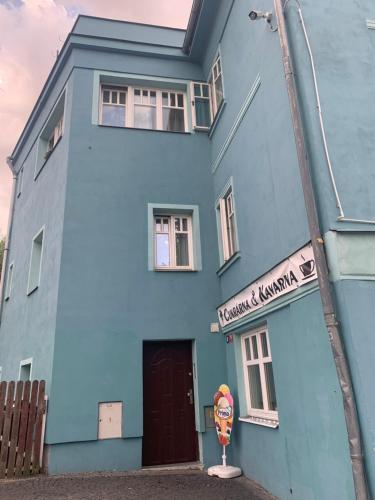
x=254, y=15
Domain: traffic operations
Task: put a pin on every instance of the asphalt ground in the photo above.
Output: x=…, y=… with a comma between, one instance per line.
x=186, y=485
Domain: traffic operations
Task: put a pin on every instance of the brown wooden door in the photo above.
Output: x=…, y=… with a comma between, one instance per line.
x=169, y=434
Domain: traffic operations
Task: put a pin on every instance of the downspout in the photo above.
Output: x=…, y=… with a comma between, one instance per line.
x=341, y=362
x=8, y=236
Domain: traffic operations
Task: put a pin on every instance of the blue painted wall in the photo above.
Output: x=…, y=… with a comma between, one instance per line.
x=99, y=302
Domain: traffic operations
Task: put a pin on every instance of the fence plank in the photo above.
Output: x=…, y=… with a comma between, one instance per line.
x=38, y=428
x=15, y=429
x=6, y=429
x=3, y=391
x=30, y=427
x=23, y=428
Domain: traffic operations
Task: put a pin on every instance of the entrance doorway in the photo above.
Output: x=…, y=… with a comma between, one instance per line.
x=169, y=434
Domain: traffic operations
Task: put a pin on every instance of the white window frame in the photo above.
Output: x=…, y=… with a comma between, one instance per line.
x=194, y=97
x=227, y=223
x=55, y=136
x=25, y=362
x=30, y=288
x=130, y=104
x=8, y=289
x=172, y=242
x=265, y=413
x=215, y=72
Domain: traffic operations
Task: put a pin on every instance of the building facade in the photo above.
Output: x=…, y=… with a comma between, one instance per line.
x=158, y=194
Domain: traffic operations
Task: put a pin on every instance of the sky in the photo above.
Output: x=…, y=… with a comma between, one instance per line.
x=31, y=33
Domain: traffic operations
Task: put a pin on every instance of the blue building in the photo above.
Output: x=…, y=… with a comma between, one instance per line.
x=158, y=193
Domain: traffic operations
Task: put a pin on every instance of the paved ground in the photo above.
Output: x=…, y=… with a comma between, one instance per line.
x=187, y=485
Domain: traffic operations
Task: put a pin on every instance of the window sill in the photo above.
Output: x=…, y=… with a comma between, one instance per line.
x=30, y=292
x=228, y=263
x=265, y=422
x=144, y=129
x=217, y=117
x=46, y=159
x=174, y=269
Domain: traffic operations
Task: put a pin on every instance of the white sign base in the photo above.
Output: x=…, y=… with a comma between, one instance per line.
x=224, y=471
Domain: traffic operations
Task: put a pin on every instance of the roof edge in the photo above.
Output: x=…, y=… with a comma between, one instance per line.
x=192, y=26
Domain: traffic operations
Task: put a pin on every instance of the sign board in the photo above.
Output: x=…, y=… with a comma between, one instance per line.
x=292, y=273
x=223, y=413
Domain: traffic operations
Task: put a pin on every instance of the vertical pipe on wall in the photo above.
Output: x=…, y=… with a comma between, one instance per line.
x=7, y=239
x=338, y=351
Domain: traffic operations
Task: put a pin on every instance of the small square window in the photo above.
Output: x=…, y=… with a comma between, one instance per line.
x=258, y=375
x=173, y=242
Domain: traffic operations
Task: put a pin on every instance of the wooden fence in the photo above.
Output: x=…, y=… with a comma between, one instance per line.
x=22, y=424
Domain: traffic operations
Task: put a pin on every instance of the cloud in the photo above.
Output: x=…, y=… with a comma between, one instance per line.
x=162, y=12
x=31, y=33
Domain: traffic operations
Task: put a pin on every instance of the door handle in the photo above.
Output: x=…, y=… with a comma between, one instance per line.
x=190, y=396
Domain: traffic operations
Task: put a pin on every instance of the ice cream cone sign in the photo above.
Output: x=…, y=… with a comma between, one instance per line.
x=223, y=412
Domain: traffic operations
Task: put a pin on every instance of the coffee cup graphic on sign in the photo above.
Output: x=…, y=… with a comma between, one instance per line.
x=307, y=268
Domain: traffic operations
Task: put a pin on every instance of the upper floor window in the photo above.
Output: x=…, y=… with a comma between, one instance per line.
x=114, y=106
x=51, y=134
x=258, y=375
x=173, y=242
x=227, y=224
x=54, y=137
x=145, y=108
x=207, y=97
x=216, y=83
x=19, y=182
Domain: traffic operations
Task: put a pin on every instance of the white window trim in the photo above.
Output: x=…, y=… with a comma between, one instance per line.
x=211, y=80
x=172, y=245
x=30, y=290
x=130, y=104
x=8, y=289
x=193, y=104
x=23, y=362
x=255, y=412
x=225, y=253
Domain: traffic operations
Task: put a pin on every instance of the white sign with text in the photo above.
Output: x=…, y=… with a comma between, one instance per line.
x=292, y=273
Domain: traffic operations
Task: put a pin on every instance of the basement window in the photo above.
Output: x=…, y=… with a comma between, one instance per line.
x=25, y=369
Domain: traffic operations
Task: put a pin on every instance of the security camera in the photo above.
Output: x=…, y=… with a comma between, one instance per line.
x=259, y=14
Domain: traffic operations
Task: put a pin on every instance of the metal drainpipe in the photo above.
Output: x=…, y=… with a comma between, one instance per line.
x=8, y=237
x=338, y=351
